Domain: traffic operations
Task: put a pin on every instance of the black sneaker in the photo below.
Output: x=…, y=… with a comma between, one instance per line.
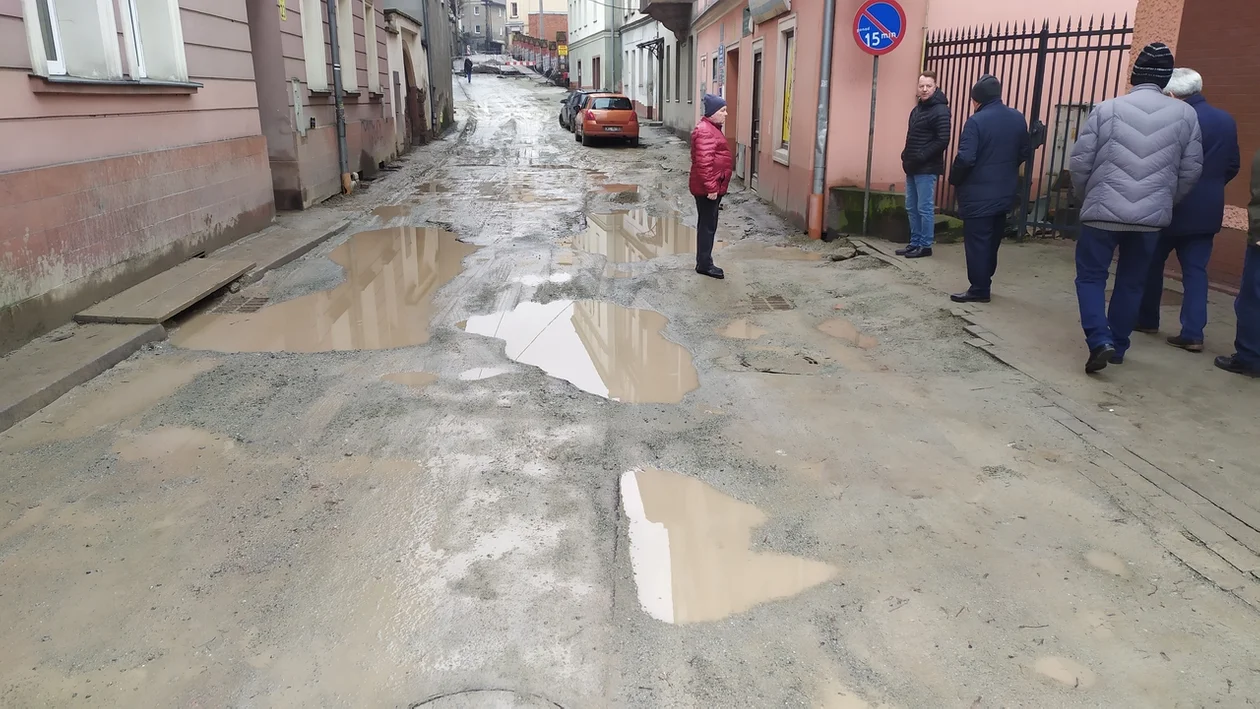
x=1233, y=365
x=711, y=272
x=1187, y=345
x=906, y=250
x=919, y=252
x=969, y=297
x=1147, y=330
x=1099, y=358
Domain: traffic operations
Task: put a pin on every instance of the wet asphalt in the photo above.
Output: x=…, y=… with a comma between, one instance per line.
x=499, y=446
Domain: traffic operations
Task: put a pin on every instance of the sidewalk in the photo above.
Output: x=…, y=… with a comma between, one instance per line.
x=1176, y=433
x=36, y=374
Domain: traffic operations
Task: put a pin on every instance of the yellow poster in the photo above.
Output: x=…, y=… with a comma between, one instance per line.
x=786, y=128
x=284, y=10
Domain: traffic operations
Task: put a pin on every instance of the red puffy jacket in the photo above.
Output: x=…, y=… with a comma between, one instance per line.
x=711, y=161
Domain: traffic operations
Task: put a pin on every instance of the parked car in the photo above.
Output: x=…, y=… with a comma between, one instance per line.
x=606, y=115
x=569, y=106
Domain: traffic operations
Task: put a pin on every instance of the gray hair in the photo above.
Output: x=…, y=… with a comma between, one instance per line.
x=1184, y=83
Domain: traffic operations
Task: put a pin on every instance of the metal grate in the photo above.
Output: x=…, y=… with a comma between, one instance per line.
x=766, y=304
x=240, y=304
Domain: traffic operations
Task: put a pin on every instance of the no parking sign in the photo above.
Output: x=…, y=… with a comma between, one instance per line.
x=879, y=26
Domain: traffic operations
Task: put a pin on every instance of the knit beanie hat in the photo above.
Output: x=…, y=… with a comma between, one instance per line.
x=1153, y=66
x=713, y=104
x=987, y=89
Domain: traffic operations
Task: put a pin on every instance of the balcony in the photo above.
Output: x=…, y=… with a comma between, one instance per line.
x=674, y=14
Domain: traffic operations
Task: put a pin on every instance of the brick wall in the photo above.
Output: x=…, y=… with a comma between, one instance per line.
x=553, y=22
x=75, y=233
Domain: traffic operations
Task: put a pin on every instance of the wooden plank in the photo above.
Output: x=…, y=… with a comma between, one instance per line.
x=167, y=294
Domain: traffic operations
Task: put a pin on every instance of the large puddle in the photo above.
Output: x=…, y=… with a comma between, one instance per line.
x=605, y=349
x=385, y=301
x=689, y=549
x=633, y=236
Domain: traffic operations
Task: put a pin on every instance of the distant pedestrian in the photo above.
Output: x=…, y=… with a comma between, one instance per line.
x=468, y=68
x=1246, y=357
x=923, y=159
x=1136, y=157
x=711, y=170
x=995, y=142
x=1196, y=219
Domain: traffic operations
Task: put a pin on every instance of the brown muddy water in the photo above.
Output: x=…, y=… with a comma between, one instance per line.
x=386, y=300
x=689, y=550
x=605, y=349
x=634, y=236
x=842, y=329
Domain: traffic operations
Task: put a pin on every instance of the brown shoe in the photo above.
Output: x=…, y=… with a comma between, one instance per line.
x=1183, y=343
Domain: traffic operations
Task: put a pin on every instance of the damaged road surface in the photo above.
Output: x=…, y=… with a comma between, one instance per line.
x=499, y=446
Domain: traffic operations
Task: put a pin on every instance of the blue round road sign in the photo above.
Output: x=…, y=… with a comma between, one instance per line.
x=880, y=26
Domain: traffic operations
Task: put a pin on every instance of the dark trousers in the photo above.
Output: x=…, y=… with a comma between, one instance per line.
x=982, y=236
x=1094, y=250
x=1193, y=253
x=1247, y=308
x=469, y=75
x=706, y=229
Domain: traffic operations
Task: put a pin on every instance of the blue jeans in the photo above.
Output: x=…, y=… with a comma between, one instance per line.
x=921, y=208
x=1094, y=249
x=1247, y=308
x=982, y=236
x=1193, y=253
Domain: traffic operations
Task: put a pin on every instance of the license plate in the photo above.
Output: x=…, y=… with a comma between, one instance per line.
x=612, y=129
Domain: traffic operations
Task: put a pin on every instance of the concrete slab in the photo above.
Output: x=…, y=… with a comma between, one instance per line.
x=167, y=294
x=36, y=375
x=288, y=240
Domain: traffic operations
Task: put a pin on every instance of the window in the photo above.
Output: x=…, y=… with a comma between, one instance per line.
x=691, y=72
x=477, y=30
x=515, y=12
x=313, y=45
x=81, y=38
x=665, y=75
x=678, y=73
x=611, y=103
x=373, y=52
x=345, y=44
x=784, y=80
x=477, y=10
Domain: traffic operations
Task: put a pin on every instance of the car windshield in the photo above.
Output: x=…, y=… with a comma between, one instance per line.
x=611, y=103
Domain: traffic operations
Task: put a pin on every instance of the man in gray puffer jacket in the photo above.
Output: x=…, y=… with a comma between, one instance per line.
x=1136, y=157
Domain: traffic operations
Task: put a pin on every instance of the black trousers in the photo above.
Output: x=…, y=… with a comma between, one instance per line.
x=706, y=229
x=982, y=236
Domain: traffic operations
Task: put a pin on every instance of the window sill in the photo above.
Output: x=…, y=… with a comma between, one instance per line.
x=781, y=156
x=75, y=85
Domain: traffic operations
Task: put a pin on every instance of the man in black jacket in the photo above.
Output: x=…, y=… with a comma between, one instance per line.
x=924, y=160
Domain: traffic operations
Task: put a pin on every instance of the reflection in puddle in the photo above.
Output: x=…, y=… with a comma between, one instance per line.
x=741, y=330
x=689, y=551
x=415, y=380
x=605, y=349
x=385, y=301
x=479, y=373
x=619, y=188
x=432, y=188
x=844, y=330
x=393, y=211
x=632, y=236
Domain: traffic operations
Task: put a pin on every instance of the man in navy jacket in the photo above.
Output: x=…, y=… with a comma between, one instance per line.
x=995, y=142
x=1196, y=219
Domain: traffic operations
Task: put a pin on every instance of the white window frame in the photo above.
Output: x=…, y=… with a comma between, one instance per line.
x=56, y=67
x=476, y=11
x=135, y=43
x=313, y=43
x=373, y=56
x=786, y=25
x=345, y=50
x=477, y=29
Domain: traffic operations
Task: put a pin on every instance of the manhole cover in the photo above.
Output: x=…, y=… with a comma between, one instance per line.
x=768, y=303
x=487, y=699
x=240, y=304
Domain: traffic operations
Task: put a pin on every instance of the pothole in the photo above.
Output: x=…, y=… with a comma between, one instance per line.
x=634, y=236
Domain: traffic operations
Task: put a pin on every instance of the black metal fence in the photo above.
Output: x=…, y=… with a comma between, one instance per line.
x=1055, y=77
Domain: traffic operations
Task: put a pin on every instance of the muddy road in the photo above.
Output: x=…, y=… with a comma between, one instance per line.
x=499, y=446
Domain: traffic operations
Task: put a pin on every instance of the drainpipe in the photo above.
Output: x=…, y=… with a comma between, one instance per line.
x=428, y=64
x=817, y=197
x=343, y=153
x=927, y=12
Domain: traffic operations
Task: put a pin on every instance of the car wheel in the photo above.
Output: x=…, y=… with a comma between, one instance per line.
x=586, y=140
x=561, y=121
x=634, y=142
x=576, y=138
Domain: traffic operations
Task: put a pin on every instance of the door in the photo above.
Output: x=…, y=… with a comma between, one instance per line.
x=755, y=147
x=596, y=76
x=730, y=92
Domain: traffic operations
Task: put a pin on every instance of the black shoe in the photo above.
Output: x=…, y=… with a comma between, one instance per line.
x=1099, y=358
x=711, y=272
x=1147, y=330
x=919, y=252
x=906, y=250
x=1117, y=359
x=1187, y=345
x=1232, y=364
x=969, y=297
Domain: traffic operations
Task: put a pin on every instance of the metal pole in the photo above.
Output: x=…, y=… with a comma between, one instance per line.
x=428, y=63
x=870, y=152
x=817, y=198
x=343, y=153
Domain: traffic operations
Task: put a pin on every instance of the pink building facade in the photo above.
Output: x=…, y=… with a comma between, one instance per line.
x=131, y=142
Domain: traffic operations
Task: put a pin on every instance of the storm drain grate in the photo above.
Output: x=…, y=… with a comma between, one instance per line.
x=240, y=304
x=769, y=303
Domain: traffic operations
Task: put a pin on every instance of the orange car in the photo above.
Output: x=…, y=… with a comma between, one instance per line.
x=606, y=115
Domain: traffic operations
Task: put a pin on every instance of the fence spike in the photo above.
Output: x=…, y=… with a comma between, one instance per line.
x=1058, y=25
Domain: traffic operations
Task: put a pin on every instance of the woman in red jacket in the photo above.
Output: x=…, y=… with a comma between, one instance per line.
x=711, y=169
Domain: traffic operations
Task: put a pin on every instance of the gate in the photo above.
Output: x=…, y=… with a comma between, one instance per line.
x=1054, y=77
